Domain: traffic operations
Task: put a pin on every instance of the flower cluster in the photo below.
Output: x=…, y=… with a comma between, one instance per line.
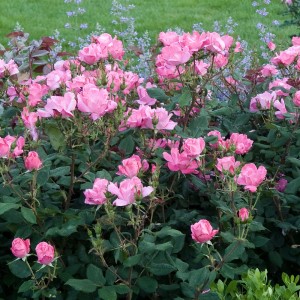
x=45, y=252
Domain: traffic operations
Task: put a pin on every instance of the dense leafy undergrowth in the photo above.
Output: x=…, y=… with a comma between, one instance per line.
x=117, y=186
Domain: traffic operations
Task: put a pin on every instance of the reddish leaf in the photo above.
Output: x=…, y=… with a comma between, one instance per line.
x=15, y=34
x=47, y=42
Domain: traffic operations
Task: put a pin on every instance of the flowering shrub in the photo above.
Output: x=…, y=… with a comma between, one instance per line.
x=148, y=187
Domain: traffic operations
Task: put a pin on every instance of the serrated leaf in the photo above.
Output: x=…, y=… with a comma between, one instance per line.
x=185, y=98
x=57, y=139
x=160, y=269
x=104, y=174
x=234, y=251
x=60, y=171
x=82, y=285
x=127, y=144
x=158, y=94
x=28, y=215
x=95, y=274
x=42, y=177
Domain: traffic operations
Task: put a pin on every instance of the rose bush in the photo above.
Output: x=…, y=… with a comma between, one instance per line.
x=123, y=176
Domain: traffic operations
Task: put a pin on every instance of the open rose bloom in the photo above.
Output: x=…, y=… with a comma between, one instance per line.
x=251, y=176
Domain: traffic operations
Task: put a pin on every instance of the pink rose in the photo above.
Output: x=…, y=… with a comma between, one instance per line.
x=201, y=67
x=296, y=98
x=268, y=70
x=180, y=162
x=96, y=195
x=20, y=248
x=90, y=54
x=175, y=55
x=243, y=214
x=296, y=41
x=144, y=98
x=227, y=163
x=271, y=46
x=5, y=144
x=251, y=176
x=202, y=231
x=220, y=60
x=241, y=142
x=45, y=253
x=168, y=38
x=20, y=143
x=58, y=105
x=193, y=147
x=129, y=190
x=238, y=47
x=36, y=92
x=132, y=166
x=32, y=161
x=220, y=142
x=262, y=101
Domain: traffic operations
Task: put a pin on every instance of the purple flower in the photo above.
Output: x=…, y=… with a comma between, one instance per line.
x=281, y=185
x=263, y=12
x=71, y=13
x=83, y=26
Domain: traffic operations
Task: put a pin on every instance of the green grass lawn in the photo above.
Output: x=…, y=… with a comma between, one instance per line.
x=42, y=17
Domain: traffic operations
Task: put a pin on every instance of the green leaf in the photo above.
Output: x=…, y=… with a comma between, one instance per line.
x=42, y=177
x=28, y=215
x=19, y=268
x=60, y=171
x=104, y=174
x=147, y=284
x=260, y=241
x=132, y=260
x=4, y=207
x=164, y=246
x=256, y=226
x=177, y=237
x=57, y=139
x=161, y=269
x=82, y=285
x=127, y=144
x=293, y=186
x=234, y=251
x=26, y=286
x=158, y=94
x=95, y=275
x=185, y=98
x=227, y=236
x=122, y=289
x=275, y=258
x=293, y=161
x=197, y=278
x=199, y=125
x=107, y=292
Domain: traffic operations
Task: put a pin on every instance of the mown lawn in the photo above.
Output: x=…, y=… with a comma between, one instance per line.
x=42, y=17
